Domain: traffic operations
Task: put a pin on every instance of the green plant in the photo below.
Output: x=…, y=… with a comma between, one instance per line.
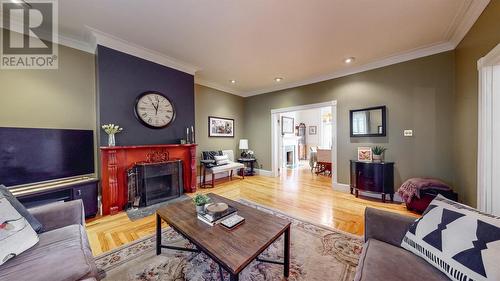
x=201, y=199
x=378, y=150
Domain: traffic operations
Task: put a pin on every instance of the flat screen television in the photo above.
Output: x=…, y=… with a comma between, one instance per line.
x=29, y=155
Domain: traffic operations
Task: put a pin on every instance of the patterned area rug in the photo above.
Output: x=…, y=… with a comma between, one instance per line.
x=317, y=253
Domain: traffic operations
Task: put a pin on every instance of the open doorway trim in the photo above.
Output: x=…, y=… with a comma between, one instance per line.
x=275, y=134
x=488, y=82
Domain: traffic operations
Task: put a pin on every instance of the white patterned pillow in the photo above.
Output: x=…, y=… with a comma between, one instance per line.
x=16, y=234
x=221, y=160
x=458, y=240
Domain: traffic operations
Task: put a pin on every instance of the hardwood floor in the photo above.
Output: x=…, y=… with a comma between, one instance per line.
x=298, y=193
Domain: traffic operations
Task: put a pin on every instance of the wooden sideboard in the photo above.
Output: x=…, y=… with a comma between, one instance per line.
x=376, y=177
x=116, y=160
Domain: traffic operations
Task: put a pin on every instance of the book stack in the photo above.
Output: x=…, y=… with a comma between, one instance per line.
x=213, y=218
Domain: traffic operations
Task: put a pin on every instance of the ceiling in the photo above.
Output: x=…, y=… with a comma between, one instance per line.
x=253, y=42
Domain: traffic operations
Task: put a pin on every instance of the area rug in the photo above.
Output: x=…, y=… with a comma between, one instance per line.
x=317, y=253
x=139, y=213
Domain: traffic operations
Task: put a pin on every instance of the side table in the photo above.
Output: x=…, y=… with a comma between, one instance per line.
x=249, y=163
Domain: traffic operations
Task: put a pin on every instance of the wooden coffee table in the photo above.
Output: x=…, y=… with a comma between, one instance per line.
x=233, y=249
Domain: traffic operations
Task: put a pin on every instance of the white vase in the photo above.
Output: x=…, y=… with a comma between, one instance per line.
x=378, y=158
x=200, y=209
x=111, y=140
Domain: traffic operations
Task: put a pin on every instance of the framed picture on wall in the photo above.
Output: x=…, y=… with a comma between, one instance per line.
x=313, y=130
x=287, y=125
x=365, y=154
x=220, y=127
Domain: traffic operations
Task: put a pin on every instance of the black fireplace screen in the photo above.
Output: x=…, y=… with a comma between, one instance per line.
x=151, y=183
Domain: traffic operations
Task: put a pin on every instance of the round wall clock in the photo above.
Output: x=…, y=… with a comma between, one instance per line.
x=154, y=110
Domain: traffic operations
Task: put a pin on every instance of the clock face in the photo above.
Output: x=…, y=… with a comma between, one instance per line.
x=154, y=110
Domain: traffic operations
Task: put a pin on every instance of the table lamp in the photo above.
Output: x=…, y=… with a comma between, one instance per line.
x=244, y=147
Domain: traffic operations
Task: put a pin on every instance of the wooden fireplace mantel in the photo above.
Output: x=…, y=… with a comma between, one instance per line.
x=116, y=160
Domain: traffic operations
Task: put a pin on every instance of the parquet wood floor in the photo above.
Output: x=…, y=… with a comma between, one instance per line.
x=297, y=193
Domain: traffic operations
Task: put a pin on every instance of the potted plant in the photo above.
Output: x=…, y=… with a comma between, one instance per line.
x=378, y=153
x=199, y=201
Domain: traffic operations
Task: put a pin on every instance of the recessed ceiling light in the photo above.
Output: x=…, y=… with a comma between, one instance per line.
x=278, y=79
x=349, y=59
x=232, y=81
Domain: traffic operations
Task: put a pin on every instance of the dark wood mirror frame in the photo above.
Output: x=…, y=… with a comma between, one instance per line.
x=384, y=122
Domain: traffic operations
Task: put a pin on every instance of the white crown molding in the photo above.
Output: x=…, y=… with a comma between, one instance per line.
x=216, y=86
x=76, y=44
x=467, y=16
x=397, y=58
x=113, y=42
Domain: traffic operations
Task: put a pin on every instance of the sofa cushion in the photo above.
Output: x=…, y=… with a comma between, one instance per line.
x=383, y=261
x=62, y=254
x=457, y=239
x=221, y=160
x=35, y=224
x=16, y=234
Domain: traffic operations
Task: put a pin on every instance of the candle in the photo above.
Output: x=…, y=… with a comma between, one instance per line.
x=192, y=134
x=187, y=135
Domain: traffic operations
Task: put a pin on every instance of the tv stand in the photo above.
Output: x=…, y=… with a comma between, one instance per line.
x=84, y=188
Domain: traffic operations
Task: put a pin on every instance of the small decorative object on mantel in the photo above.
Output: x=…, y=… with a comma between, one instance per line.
x=111, y=130
x=378, y=153
x=200, y=200
x=365, y=154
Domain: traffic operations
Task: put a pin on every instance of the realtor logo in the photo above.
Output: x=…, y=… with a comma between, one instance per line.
x=29, y=34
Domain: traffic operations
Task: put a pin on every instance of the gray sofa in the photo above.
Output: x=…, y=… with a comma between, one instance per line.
x=63, y=252
x=383, y=259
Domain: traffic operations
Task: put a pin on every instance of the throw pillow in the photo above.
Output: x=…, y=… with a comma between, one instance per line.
x=458, y=240
x=221, y=160
x=35, y=224
x=16, y=234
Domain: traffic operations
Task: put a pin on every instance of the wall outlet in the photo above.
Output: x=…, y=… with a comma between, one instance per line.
x=408, y=133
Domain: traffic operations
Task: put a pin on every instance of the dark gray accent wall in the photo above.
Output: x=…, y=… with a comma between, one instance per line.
x=121, y=78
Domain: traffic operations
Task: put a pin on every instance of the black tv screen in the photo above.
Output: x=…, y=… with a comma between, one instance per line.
x=30, y=155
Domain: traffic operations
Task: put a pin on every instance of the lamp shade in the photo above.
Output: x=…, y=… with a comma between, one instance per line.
x=243, y=144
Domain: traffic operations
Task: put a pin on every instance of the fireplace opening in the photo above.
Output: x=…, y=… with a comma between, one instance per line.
x=290, y=155
x=151, y=183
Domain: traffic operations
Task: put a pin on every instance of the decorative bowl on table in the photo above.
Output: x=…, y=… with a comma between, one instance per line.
x=216, y=208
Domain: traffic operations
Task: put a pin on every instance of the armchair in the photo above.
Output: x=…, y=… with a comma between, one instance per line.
x=210, y=164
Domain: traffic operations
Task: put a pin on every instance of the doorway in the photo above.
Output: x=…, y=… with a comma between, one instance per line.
x=488, y=183
x=298, y=130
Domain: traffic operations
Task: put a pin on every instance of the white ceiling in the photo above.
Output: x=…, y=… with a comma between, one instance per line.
x=254, y=41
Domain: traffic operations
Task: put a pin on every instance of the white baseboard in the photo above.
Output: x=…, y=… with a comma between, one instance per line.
x=262, y=172
x=342, y=187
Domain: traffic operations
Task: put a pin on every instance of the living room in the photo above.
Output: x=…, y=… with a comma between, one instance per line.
x=323, y=140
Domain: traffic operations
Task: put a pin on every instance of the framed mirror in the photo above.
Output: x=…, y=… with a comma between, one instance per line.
x=368, y=122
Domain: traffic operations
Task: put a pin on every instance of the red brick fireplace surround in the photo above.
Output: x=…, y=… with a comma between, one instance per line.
x=116, y=160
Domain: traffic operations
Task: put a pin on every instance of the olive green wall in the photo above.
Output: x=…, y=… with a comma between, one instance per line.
x=211, y=102
x=419, y=95
x=481, y=38
x=59, y=98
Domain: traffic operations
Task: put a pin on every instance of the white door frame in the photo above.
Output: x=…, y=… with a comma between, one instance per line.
x=488, y=191
x=275, y=132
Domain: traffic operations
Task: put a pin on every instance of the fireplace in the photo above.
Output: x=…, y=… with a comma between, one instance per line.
x=151, y=183
x=290, y=155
